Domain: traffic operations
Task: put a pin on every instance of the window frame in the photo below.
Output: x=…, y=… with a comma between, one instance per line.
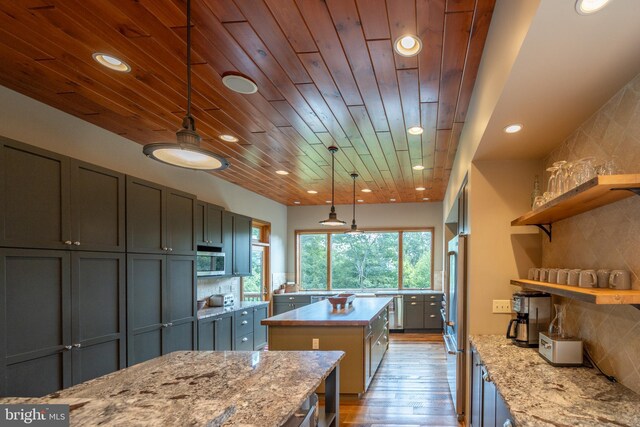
x=264, y=243
x=329, y=233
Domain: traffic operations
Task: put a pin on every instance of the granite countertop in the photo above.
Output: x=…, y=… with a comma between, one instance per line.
x=217, y=311
x=373, y=291
x=323, y=314
x=204, y=388
x=539, y=394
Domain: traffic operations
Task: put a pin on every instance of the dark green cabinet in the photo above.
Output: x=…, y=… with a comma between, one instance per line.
x=160, y=305
x=227, y=242
x=241, y=245
x=488, y=408
x=259, y=330
x=209, y=225
x=413, y=314
x=216, y=333
x=48, y=201
x=422, y=311
x=63, y=318
x=283, y=302
x=160, y=220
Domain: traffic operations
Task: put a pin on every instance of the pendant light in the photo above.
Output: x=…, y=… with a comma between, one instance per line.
x=186, y=151
x=354, y=227
x=333, y=217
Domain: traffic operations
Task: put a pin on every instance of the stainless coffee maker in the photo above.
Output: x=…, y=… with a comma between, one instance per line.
x=533, y=311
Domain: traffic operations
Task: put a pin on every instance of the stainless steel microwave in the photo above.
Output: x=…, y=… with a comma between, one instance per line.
x=210, y=263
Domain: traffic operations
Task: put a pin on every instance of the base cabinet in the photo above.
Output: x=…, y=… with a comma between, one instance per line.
x=259, y=330
x=283, y=302
x=488, y=408
x=422, y=311
x=216, y=333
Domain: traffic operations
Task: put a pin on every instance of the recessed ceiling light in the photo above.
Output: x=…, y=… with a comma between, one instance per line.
x=282, y=172
x=366, y=190
x=392, y=200
x=587, y=7
x=312, y=192
x=418, y=167
x=415, y=130
x=420, y=188
x=407, y=45
x=228, y=138
x=111, y=62
x=425, y=198
x=513, y=128
x=296, y=202
x=239, y=83
x=360, y=200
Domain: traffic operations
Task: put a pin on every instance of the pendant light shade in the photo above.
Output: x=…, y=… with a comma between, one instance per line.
x=333, y=217
x=186, y=151
x=354, y=227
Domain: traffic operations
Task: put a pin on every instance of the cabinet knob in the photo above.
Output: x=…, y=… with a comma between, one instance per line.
x=245, y=339
x=433, y=303
x=244, y=313
x=67, y=347
x=378, y=343
x=165, y=249
x=413, y=303
x=433, y=315
x=78, y=345
x=414, y=297
x=432, y=297
x=292, y=298
x=68, y=242
x=170, y=249
x=76, y=243
x=244, y=322
x=507, y=423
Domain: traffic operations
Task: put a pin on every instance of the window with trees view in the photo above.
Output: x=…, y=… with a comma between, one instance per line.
x=371, y=260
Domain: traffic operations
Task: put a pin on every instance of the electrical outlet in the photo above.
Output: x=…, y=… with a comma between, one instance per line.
x=315, y=344
x=502, y=306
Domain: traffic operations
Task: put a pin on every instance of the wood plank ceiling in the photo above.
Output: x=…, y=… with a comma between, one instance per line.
x=326, y=72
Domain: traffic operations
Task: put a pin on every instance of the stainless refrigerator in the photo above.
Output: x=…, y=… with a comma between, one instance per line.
x=454, y=317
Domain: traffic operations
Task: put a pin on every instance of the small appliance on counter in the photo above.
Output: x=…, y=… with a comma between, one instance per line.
x=559, y=350
x=221, y=300
x=533, y=311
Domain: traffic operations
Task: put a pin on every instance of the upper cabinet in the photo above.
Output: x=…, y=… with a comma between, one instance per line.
x=159, y=219
x=49, y=201
x=208, y=224
x=241, y=245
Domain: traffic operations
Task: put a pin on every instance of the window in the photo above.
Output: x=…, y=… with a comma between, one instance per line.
x=255, y=286
x=385, y=259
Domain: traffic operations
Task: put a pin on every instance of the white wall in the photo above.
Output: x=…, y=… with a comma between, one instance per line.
x=27, y=120
x=371, y=216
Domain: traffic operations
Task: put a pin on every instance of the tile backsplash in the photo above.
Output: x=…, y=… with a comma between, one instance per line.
x=607, y=237
x=208, y=286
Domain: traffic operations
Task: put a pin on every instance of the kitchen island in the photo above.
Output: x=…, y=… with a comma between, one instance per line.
x=203, y=389
x=361, y=331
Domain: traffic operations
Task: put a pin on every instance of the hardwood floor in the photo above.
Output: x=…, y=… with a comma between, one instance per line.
x=409, y=389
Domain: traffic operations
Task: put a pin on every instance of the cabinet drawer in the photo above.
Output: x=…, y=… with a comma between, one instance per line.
x=305, y=299
x=245, y=342
x=431, y=298
x=244, y=322
x=415, y=298
x=432, y=307
x=432, y=321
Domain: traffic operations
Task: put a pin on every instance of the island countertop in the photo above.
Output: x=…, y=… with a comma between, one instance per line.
x=200, y=388
x=322, y=314
x=539, y=394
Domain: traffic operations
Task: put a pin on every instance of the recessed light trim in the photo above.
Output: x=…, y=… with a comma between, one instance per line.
x=228, y=138
x=312, y=192
x=282, y=172
x=513, y=128
x=418, y=167
x=587, y=7
x=111, y=62
x=296, y=202
x=420, y=188
x=415, y=130
x=425, y=198
x=366, y=190
x=360, y=200
x=239, y=83
x=392, y=200
x=407, y=45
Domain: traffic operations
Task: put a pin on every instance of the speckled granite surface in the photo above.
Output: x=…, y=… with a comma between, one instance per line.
x=217, y=311
x=540, y=395
x=253, y=388
x=380, y=292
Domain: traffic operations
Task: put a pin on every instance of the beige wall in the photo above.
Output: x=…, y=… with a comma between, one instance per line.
x=499, y=191
x=371, y=216
x=607, y=237
x=31, y=122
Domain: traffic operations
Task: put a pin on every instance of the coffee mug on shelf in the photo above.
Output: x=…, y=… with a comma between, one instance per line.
x=553, y=275
x=531, y=274
x=563, y=276
x=620, y=279
x=536, y=274
x=544, y=274
x=574, y=277
x=588, y=279
x=603, y=277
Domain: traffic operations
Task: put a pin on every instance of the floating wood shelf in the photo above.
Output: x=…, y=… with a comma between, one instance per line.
x=596, y=192
x=592, y=295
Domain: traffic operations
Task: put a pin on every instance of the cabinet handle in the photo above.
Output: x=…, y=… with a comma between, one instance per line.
x=414, y=297
x=378, y=343
x=433, y=315
x=292, y=298
x=245, y=339
x=76, y=243
x=432, y=297
x=77, y=345
x=507, y=423
x=67, y=347
x=244, y=322
x=170, y=249
x=170, y=324
x=413, y=303
x=433, y=303
x=67, y=242
x=244, y=313
x=165, y=249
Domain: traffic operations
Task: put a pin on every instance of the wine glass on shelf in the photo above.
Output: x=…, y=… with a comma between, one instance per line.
x=552, y=184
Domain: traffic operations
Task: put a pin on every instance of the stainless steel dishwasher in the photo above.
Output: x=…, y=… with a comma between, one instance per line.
x=396, y=313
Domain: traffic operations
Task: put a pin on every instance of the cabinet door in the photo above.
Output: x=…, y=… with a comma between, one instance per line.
x=145, y=283
x=35, y=308
x=414, y=315
x=214, y=225
x=180, y=222
x=145, y=218
x=180, y=304
x=34, y=197
x=488, y=402
x=241, y=245
x=432, y=317
x=227, y=242
x=206, y=331
x=503, y=416
x=259, y=330
x=224, y=333
x=201, y=223
x=281, y=307
x=476, y=390
x=97, y=208
x=98, y=309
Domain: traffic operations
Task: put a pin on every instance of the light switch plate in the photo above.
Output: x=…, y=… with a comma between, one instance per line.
x=502, y=306
x=315, y=343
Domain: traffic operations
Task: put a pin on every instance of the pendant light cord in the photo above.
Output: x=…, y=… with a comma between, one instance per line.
x=333, y=174
x=188, y=58
x=354, y=199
